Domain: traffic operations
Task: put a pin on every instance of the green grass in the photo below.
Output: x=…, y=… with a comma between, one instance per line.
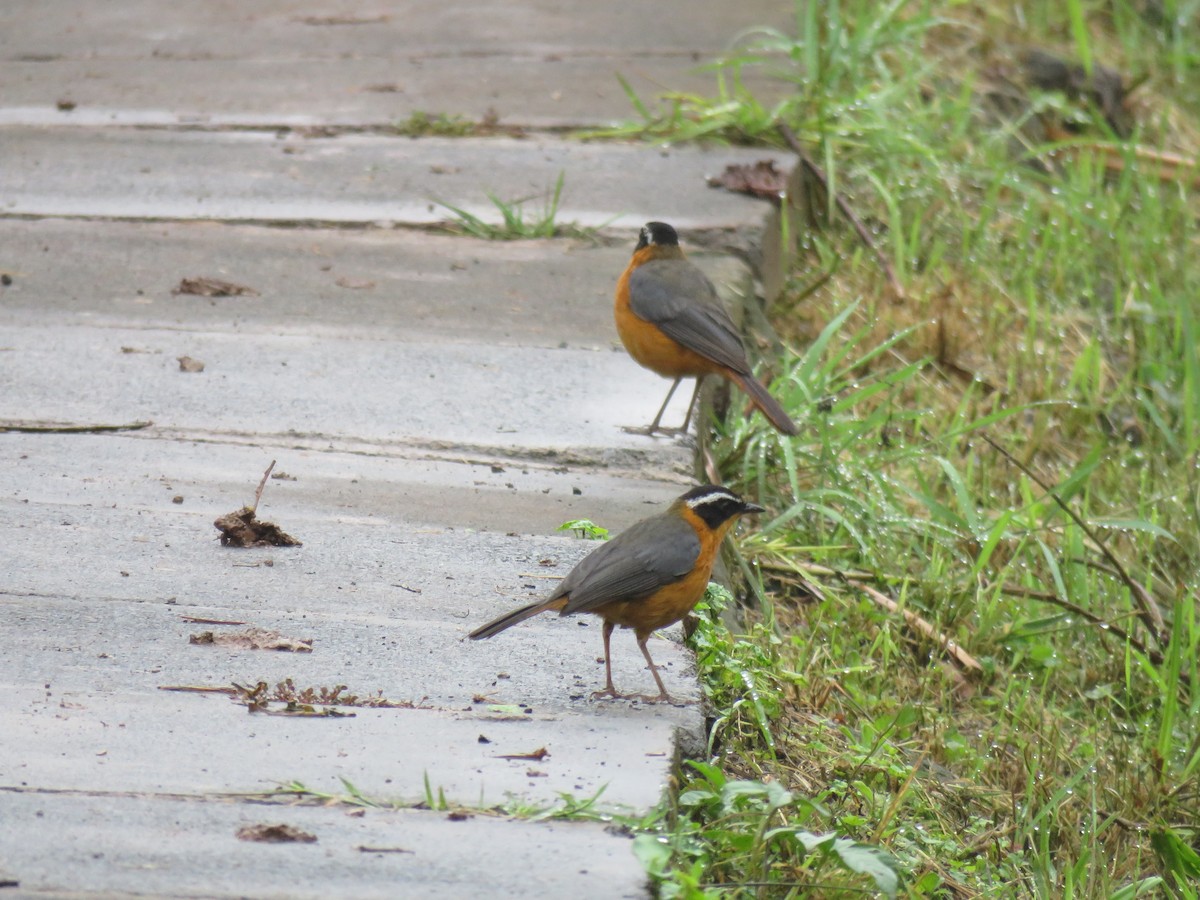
x=423, y=124
x=1007, y=453
x=516, y=222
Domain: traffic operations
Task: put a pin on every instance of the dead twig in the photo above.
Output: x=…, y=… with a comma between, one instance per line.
x=262, y=484
x=1147, y=607
x=31, y=428
x=844, y=205
x=948, y=644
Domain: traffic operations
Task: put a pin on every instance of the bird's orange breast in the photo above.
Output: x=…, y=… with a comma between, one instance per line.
x=670, y=604
x=647, y=343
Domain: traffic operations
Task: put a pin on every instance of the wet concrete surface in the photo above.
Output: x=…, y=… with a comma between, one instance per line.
x=439, y=405
x=532, y=62
x=361, y=179
x=173, y=846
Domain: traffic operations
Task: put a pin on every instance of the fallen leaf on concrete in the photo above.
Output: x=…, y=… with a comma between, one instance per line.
x=253, y=639
x=537, y=755
x=275, y=834
x=187, y=364
x=213, y=287
x=759, y=180
x=362, y=849
x=244, y=529
x=354, y=284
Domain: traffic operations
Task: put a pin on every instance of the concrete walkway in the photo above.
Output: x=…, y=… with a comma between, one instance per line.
x=438, y=405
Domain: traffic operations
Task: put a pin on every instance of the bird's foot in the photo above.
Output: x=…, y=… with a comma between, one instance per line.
x=609, y=693
x=614, y=694
x=650, y=431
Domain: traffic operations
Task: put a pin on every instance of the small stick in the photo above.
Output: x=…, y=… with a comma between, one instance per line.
x=262, y=484
x=1148, y=608
x=951, y=646
x=72, y=429
x=844, y=205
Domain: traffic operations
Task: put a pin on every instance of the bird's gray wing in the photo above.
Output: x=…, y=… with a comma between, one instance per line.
x=679, y=299
x=636, y=563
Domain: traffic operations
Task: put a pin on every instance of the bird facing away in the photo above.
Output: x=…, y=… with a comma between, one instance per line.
x=672, y=322
x=647, y=577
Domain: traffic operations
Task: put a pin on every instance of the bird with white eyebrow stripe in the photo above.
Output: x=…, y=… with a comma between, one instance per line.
x=647, y=577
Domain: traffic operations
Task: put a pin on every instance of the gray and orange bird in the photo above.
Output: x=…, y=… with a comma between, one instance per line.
x=647, y=577
x=672, y=322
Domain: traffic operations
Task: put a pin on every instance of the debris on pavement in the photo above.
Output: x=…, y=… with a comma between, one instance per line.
x=28, y=427
x=253, y=639
x=287, y=693
x=200, y=620
x=275, y=834
x=243, y=529
x=762, y=179
x=188, y=364
x=354, y=284
x=213, y=287
x=537, y=755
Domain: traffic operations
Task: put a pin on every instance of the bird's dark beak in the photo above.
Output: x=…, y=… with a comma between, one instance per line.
x=748, y=508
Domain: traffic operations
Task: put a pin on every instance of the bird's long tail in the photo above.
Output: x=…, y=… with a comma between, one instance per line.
x=764, y=401
x=509, y=619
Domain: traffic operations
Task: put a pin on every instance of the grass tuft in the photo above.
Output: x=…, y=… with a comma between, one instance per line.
x=972, y=640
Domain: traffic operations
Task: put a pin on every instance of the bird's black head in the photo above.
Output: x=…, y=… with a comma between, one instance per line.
x=716, y=505
x=659, y=234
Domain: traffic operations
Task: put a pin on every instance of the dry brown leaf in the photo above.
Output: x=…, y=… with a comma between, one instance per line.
x=759, y=180
x=275, y=834
x=253, y=639
x=213, y=287
x=244, y=529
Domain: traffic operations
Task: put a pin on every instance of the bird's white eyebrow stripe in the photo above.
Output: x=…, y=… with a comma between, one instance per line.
x=710, y=498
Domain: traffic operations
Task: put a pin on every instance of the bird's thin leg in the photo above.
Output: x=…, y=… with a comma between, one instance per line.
x=662, y=409
x=655, y=426
x=687, y=420
x=609, y=689
x=662, y=688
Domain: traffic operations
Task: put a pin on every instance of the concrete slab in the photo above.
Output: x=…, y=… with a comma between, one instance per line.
x=275, y=385
x=101, y=742
x=123, y=846
x=538, y=92
x=285, y=62
x=362, y=179
x=361, y=283
x=442, y=404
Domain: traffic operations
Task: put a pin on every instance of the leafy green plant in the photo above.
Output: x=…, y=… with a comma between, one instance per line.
x=730, y=835
x=586, y=529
